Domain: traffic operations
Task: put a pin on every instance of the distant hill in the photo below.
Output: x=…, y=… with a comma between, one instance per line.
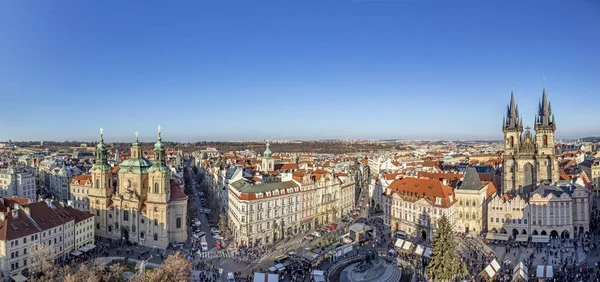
x=591, y=139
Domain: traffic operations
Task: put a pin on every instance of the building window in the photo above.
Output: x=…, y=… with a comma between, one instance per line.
x=142, y=235
x=97, y=225
x=97, y=183
x=155, y=237
x=97, y=212
x=142, y=221
x=178, y=222
x=155, y=222
x=109, y=228
x=156, y=188
x=545, y=140
x=126, y=215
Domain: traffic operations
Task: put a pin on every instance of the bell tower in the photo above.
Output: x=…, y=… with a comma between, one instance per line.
x=101, y=171
x=545, y=127
x=512, y=127
x=268, y=164
x=159, y=177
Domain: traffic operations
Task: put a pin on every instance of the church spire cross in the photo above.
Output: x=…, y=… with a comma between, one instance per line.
x=159, y=132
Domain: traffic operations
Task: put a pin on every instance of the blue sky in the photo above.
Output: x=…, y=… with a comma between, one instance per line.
x=245, y=70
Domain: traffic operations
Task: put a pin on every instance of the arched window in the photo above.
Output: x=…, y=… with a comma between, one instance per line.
x=511, y=141
x=545, y=140
x=142, y=235
x=133, y=228
x=155, y=237
x=474, y=216
x=97, y=183
x=155, y=222
x=129, y=183
x=156, y=188
x=109, y=228
x=126, y=215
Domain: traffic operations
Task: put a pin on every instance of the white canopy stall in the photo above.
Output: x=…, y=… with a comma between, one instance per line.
x=544, y=271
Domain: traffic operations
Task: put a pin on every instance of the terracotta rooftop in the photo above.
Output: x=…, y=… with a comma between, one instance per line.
x=413, y=189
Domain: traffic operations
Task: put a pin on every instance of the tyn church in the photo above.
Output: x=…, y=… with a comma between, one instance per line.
x=528, y=159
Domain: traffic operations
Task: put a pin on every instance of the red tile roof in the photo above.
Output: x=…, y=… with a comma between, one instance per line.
x=177, y=193
x=16, y=225
x=413, y=189
x=81, y=179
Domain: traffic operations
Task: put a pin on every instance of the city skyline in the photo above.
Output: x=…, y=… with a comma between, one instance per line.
x=343, y=70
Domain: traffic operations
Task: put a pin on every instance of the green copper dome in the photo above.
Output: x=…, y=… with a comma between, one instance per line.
x=267, y=153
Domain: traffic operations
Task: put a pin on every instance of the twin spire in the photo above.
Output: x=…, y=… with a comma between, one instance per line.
x=544, y=117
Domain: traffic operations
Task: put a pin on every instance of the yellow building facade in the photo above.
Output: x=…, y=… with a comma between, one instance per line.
x=145, y=206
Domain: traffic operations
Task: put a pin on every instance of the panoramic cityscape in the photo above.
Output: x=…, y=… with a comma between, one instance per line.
x=337, y=141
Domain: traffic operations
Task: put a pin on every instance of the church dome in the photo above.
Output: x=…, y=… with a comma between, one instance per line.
x=267, y=153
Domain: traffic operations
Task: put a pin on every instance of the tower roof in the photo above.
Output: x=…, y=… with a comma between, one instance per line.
x=545, y=116
x=471, y=181
x=267, y=153
x=512, y=119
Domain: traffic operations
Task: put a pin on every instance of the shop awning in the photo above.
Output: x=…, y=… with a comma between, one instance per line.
x=427, y=252
x=399, y=243
x=19, y=277
x=280, y=267
x=260, y=277
x=272, y=268
x=540, y=238
x=520, y=271
x=522, y=238
x=76, y=253
x=419, y=250
x=544, y=271
x=492, y=269
x=497, y=236
x=406, y=245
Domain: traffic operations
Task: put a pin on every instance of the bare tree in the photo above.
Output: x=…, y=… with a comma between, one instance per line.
x=175, y=268
x=41, y=259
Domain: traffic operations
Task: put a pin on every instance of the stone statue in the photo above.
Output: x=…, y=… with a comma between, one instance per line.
x=371, y=258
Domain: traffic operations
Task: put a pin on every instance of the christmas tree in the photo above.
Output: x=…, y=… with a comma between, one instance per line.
x=444, y=264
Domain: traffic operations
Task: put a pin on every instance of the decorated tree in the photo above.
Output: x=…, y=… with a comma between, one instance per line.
x=444, y=264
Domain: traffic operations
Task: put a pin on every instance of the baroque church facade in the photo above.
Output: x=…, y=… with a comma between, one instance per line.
x=143, y=205
x=528, y=159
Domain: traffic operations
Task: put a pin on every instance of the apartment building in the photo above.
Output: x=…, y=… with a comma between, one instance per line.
x=24, y=223
x=80, y=189
x=417, y=205
x=17, y=181
x=263, y=213
x=561, y=210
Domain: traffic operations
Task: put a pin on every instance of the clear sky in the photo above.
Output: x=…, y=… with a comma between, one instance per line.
x=310, y=69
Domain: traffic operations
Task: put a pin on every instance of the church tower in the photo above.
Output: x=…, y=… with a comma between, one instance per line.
x=160, y=188
x=102, y=189
x=101, y=171
x=268, y=164
x=544, y=140
x=512, y=126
